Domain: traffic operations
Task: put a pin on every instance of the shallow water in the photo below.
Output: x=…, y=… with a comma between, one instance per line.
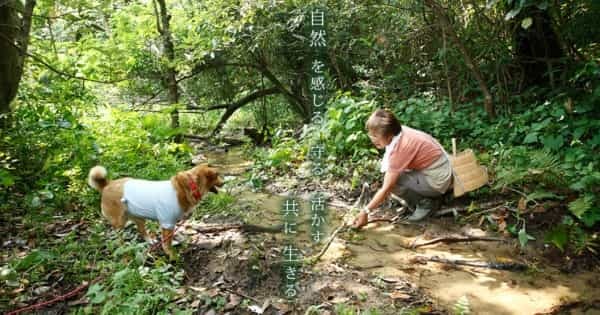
x=383, y=251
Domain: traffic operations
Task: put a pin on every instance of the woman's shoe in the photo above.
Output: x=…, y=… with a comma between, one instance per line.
x=424, y=208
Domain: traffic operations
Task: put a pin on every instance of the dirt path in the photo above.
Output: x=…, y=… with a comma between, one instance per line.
x=376, y=268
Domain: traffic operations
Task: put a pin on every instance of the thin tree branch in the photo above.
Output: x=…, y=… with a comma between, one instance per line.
x=201, y=68
x=72, y=76
x=458, y=239
x=153, y=96
x=54, y=69
x=510, y=266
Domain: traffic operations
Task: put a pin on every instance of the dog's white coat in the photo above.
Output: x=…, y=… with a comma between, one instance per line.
x=155, y=200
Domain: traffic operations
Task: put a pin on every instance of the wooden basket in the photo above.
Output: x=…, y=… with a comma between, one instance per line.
x=468, y=174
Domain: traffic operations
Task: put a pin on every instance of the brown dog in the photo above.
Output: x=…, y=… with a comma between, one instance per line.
x=165, y=201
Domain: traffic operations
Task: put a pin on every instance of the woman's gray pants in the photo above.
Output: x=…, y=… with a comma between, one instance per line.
x=431, y=182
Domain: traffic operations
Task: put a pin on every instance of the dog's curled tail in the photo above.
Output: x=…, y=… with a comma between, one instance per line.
x=97, y=177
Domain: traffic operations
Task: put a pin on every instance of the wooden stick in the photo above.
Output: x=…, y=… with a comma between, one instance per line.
x=458, y=239
x=250, y=228
x=454, y=147
x=462, y=209
x=512, y=266
x=341, y=227
x=316, y=258
x=242, y=295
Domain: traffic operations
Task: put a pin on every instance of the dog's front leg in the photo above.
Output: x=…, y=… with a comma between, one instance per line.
x=167, y=238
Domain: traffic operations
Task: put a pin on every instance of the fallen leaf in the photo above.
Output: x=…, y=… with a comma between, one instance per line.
x=234, y=301
x=213, y=292
x=282, y=307
x=339, y=300
x=399, y=295
x=41, y=290
x=256, y=309
x=391, y=280
x=502, y=226
x=198, y=289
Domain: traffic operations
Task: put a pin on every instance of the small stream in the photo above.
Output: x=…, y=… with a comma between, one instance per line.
x=382, y=250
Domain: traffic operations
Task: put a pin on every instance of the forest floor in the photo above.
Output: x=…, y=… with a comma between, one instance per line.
x=384, y=267
x=232, y=267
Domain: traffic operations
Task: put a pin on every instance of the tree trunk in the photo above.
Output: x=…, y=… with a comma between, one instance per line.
x=14, y=40
x=448, y=81
x=170, y=74
x=447, y=26
x=538, y=49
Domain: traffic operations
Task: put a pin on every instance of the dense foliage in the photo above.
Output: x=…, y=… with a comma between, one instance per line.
x=104, y=83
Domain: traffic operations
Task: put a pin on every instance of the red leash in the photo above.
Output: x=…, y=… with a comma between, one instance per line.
x=81, y=287
x=168, y=238
x=54, y=300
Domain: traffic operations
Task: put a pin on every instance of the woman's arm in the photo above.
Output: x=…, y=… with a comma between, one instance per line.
x=389, y=181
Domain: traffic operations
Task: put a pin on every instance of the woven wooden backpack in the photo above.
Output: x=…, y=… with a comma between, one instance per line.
x=468, y=174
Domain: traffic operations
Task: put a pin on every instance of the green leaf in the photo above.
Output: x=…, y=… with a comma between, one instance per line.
x=524, y=237
x=531, y=138
x=558, y=236
x=490, y=3
x=512, y=228
x=579, y=132
x=34, y=258
x=581, y=205
x=120, y=275
x=590, y=218
x=526, y=22
x=567, y=220
x=512, y=13
x=352, y=138
x=95, y=291
x=6, y=179
x=542, y=5
x=350, y=124
x=542, y=194
x=595, y=141
x=553, y=142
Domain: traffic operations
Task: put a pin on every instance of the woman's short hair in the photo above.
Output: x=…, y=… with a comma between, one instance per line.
x=383, y=122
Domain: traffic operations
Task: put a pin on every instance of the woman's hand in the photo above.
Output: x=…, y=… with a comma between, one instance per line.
x=361, y=220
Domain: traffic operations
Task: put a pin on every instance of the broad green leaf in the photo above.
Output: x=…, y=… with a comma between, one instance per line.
x=591, y=217
x=531, y=138
x=558, y=236
x=6, y=179
x=34, y=258
x=553, y=142
x=120, y=275
x=580, y=206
